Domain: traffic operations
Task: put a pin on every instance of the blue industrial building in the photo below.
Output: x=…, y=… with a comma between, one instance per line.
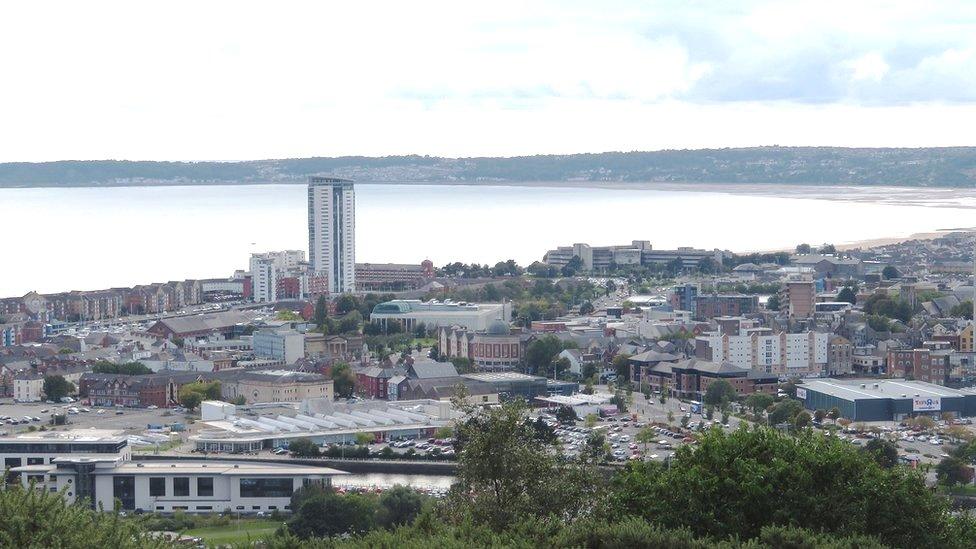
x=885, y=399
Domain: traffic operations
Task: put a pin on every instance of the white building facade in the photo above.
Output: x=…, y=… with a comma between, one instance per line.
x=797, y=354
x=264, y=278
x=332, y=232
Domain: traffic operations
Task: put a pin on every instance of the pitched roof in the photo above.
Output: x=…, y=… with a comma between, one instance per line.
x=431, y=369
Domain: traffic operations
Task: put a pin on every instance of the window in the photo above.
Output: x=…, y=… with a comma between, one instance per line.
x=181, y=486
x=204, y=507
x=35, y=461
x=204, y=486
x=157, y=486
x=124, y=490
x=266, y=487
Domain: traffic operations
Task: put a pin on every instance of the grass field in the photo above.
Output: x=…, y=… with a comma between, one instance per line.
x=232, y=533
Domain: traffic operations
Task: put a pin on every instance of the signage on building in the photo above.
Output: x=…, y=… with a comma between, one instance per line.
x=927, y=404
x=801, y=393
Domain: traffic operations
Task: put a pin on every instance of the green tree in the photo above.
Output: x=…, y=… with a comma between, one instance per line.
x=505, y=473
x=327, y=514
x=586, y=308
x=963, y=310
x=190, y=399
x=125, y=368
x=758, y=403
x=398, y=506
x=350, y=323
x=56, y=387
x=39, y=518
x=621, y=366
x=785, y=411
x=573, y=266
x=802, y=420
x=463, y=364
x=819, y=415
x=718, y=390
x=321, y=311
x=847, y=294
x=890, y=272
x=953, y=470
x=344, y=380
x=773, y=303
x=346, y=303
x=884, y=453
x=740, y=480
x=566, y=415
x=303, y=447
x=540, y=353
x=803, y=249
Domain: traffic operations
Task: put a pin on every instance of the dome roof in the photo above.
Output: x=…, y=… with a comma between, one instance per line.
x=498, y=328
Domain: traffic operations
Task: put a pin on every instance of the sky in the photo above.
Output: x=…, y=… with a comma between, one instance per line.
x=249, y=80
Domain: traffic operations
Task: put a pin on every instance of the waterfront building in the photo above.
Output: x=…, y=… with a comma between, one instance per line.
x=332, y=232
x=434, y=314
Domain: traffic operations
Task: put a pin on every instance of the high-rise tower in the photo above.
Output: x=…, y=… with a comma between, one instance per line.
x=332, y=232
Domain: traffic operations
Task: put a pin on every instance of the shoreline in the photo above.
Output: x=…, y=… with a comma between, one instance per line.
x=873, y=242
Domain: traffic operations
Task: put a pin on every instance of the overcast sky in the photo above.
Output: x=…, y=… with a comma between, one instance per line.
x=239, y=80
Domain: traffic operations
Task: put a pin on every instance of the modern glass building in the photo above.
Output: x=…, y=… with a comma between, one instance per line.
x=332, y=232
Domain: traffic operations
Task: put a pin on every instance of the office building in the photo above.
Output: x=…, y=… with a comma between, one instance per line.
x=638, y=252
x=332, y=232
x=801, y=296
x=285, y=345
x=96, y=466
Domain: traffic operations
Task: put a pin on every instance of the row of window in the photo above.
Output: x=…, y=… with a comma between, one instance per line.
x=181, y=486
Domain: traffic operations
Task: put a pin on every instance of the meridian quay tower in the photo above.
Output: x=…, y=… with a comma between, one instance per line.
x=332, y=233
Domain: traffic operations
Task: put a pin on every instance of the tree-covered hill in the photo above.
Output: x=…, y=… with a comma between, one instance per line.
x=926, y=167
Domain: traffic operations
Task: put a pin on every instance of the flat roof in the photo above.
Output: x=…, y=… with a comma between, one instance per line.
x=71, y=435
x=865, y=389
x=220, y=468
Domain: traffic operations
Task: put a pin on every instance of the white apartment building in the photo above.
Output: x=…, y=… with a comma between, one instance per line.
x=264, y=278
x=28, y=387
x=332, y=232
x=783, y=353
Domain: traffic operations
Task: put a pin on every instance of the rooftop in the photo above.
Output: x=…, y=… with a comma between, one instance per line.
x=862, y=389
x=73, y=435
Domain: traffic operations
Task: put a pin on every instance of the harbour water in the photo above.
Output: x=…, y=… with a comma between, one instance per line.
x=93, y=238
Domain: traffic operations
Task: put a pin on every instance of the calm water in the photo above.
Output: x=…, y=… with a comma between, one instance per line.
x=61, y=239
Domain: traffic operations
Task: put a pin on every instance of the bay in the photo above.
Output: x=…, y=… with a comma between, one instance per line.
x=58, y=239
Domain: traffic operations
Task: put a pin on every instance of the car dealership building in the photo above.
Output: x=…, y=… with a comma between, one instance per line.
x=885, y=399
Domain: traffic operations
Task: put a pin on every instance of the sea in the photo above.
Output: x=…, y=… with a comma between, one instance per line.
x=59, y=239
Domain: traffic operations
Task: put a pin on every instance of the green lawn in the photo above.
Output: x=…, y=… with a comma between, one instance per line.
x=232, y=533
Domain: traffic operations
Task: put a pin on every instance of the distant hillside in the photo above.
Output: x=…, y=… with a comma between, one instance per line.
x=932, y=167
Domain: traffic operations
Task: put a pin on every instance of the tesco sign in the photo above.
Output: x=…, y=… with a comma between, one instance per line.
x=927, y=404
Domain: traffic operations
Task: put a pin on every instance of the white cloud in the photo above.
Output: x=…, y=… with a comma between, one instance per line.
x=229, y=80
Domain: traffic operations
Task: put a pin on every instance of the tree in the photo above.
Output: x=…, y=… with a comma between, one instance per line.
x=240, y=400
x=344, y=380
x=890, y=272
x=364, y=439
x=883, y=452
x=758, y=403
x=444, y=432
x=321, y=311
x=566, y=415
x=505, y=473
x=802, y=420
x=773, y=303
x=646, y=436
x=847, y=294
x=326, y=514
x=752, y=479
x=833, y=414
x=125, y=368
x=540, y=353
x=621, y=366
x=610, y=287
x=963, y=310
x=819, y=415
x=803, y=249
x=588, y=370
x=350, y=323
x=785, y=411
x=828, y=249
x=56, y=387
x=463, y=364
x=303, y=447
x=586, y=308
x=39, y=518
x=670, y=417
x=346, y=303
x=953, y=470
x=398, y=506
x=718, y=390
x=573, y=266
x=685, y=420
x=190, y=399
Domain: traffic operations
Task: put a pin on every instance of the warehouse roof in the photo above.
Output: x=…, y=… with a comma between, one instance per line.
x=862, y=389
